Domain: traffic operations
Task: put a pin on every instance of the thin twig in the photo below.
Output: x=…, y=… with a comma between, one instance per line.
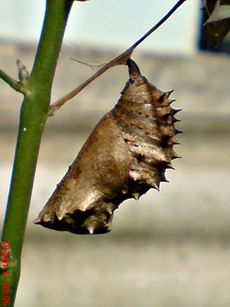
x=121, y=59
x=14, y=84
x=23, y=75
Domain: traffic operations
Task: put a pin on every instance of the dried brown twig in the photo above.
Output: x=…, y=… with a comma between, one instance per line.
x=121, y=59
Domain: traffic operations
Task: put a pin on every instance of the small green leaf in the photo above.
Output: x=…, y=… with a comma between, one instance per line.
x=209, y=5
x=219, y=13
x=217, y=30
x=218, y=24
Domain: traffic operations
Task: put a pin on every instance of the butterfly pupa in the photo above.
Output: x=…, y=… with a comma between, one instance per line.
x=127, y=153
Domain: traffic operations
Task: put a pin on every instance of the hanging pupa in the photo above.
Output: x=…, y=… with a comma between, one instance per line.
x=126, y=154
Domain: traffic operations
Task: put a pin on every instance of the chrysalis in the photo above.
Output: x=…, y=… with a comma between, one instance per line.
x=126, y=154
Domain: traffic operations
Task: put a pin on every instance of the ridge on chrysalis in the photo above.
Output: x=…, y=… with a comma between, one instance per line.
x=127, y=154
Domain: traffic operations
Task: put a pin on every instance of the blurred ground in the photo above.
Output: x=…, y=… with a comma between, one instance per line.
x=171, y=248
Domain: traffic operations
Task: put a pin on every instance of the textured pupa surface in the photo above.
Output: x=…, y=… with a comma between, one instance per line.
x=127, y=153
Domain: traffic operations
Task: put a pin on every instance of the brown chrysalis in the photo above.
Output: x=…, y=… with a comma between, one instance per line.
x=126, y=154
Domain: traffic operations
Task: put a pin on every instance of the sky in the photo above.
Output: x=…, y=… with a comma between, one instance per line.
x=108, y=23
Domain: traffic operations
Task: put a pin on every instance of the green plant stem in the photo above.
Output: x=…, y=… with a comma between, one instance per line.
x=33, y=116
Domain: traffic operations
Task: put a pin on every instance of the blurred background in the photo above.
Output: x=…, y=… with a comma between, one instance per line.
x=170, y=248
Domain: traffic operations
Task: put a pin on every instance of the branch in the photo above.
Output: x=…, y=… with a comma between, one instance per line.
x=10, y=81
x=121, y=59
x=23, y=75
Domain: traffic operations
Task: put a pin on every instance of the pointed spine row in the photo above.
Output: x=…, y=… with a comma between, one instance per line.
x=146, y=119
x=127, y=153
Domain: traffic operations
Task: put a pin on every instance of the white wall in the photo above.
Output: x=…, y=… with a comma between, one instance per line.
x=110, y=23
